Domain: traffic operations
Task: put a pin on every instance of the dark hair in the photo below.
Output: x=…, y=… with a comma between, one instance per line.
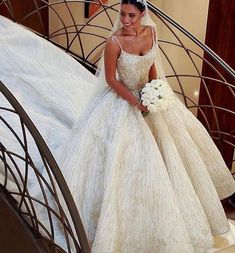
x=138, y=4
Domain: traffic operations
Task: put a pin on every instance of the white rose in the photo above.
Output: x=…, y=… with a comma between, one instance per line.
x=146, y=102
x=152, y=108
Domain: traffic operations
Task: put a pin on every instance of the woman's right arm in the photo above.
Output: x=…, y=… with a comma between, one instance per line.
x=111, y=54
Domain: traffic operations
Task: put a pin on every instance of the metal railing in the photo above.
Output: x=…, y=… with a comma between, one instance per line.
x=50, y=187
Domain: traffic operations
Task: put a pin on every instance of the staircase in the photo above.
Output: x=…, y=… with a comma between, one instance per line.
x=16, y=235
x=30, y=220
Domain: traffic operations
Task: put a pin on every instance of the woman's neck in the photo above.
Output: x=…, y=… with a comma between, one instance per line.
x=134, y=32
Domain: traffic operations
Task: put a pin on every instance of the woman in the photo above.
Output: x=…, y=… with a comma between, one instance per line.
x=143, y=184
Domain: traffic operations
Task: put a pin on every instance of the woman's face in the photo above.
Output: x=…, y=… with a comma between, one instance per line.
x=130, y=16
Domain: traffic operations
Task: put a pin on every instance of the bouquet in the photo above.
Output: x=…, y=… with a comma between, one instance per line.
x=157, y=95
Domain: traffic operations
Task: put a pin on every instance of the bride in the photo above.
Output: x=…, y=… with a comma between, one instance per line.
x=143, y=184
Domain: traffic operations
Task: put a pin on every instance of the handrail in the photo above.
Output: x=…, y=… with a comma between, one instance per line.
x=45, y=152
x=208, y=50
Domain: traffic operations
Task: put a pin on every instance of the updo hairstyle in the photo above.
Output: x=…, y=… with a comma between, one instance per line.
x=139, y=4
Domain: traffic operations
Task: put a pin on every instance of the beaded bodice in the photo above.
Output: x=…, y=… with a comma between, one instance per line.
x=133, y=70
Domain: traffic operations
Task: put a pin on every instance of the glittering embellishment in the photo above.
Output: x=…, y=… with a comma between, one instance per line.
x=145, y=185
x=133, y=69
x=143, y=2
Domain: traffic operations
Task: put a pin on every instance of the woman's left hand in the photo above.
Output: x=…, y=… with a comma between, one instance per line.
x=142, y=108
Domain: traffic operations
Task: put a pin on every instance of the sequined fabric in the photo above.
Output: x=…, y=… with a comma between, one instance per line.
x=145, y=185
x=133, y=69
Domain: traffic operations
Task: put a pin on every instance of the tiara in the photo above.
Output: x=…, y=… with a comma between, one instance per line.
x=143, y=2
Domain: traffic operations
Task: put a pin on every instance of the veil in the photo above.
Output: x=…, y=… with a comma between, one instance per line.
x=146, y=20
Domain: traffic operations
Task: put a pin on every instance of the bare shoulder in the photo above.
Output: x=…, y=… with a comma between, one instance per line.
x=112, y=45
x=151, y=31
x=112, y=49
x=118, y=33
x=116, y=40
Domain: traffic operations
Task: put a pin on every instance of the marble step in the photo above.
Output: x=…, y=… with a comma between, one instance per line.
x=225, y=243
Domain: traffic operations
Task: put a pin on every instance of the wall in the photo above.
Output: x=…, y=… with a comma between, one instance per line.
x=89, y=41
x=190, y=14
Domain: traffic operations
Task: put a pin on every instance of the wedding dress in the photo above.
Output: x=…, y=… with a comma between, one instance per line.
x=144, y=184
x=141, y=185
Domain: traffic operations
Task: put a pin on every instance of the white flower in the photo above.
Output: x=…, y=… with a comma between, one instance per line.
x=157, y=95
x=152, y=108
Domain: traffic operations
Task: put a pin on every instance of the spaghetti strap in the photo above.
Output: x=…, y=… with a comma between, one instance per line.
x=117, y=42
x=153, y=35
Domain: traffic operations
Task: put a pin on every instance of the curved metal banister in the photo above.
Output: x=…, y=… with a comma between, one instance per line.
x=54, y=169
x=154, y=9
x=206, y=49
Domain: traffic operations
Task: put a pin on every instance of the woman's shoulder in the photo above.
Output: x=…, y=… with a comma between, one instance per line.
x=118, y=37
x=150, y=29
x=112, y=44
x=118, y=33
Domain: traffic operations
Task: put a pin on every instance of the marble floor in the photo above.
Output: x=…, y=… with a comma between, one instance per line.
x=226, y=242
x=228, y=250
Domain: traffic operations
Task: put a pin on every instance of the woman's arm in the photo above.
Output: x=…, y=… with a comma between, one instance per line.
x=111, y=54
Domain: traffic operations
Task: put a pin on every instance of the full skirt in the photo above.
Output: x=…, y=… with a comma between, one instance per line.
x=149, y=184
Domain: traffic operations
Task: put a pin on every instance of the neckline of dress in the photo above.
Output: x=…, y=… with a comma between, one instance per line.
x=123, y=51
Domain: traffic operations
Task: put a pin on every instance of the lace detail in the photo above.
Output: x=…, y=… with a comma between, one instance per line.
x=133, y=69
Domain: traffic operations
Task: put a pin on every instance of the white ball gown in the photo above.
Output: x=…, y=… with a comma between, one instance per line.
x=141, y=185
x=145, y=184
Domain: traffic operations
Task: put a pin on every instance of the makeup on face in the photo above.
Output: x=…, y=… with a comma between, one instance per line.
x=130, y=16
